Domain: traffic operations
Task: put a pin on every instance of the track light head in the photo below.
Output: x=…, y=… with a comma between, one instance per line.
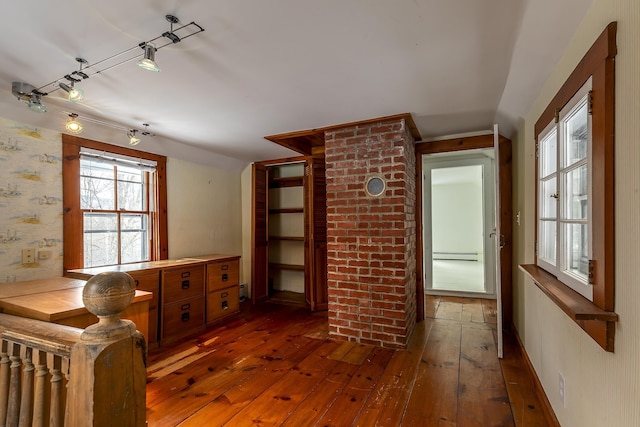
x=74, y=94
x=29, y=95
x=148, y=62
x=133, y=138
x=73, y=125
x=35, y=104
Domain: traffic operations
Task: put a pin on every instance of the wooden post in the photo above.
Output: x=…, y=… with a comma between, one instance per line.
x=108, y=375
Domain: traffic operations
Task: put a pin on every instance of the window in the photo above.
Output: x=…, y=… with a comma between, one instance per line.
x=575, y=194
x=564, y=222
x=116, y=209
x=115, y=205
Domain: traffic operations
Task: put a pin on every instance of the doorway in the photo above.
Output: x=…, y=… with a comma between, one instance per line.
x=458, y=221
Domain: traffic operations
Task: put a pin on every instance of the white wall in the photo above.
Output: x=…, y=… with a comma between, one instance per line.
x=602, y=389
x=457, y=217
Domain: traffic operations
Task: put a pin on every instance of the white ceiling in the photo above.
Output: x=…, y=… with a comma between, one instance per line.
x=275, y=66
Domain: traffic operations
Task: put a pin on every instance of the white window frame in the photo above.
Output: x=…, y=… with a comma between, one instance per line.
x=557, y=266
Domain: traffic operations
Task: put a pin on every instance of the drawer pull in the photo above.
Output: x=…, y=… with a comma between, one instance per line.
x=185, y=317
x=185, y=307
x=185, y=274
x=224, y=294
x=185, y=284
x=225, y=277
x=225, y=305
x=225, y=267
x=137, y=283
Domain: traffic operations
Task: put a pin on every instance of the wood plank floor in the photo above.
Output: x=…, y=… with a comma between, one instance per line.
x=275, y=365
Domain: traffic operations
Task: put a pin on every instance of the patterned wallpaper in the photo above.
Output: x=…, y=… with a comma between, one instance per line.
x=30, y=201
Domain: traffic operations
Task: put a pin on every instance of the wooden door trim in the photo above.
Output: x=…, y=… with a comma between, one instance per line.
x=506, y=213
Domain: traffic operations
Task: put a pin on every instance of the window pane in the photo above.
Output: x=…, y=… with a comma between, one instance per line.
x=134, y=238
x=100, y=239
x=576, y=196
x=548, y=198
x=548, y=154
x=131, y=195
x=96, y=185
x=576, y=243
x=575, y=128
x=547, y=241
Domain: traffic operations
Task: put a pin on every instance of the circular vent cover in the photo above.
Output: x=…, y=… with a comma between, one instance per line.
x=375, y=186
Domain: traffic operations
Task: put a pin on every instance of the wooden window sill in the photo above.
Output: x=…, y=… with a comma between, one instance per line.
x=598, y=323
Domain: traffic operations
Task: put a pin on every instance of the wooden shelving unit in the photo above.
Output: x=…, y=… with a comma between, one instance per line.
x=285, y=210
x=293, y=267
x=286, y=232
x=290, y=238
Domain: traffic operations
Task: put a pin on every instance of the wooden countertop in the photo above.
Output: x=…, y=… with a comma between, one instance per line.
x=49, y=299
x=150, y=266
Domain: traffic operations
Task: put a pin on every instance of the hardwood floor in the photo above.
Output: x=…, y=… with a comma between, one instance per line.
x=274, y=365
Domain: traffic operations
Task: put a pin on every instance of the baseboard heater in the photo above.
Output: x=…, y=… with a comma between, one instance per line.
x=458, y=256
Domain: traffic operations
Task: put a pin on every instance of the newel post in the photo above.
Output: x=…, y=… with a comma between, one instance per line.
x=107, y=384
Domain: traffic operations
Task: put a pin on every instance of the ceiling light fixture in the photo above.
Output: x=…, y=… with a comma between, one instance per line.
x=32, y=95
x=73, y=125
x=148, y=62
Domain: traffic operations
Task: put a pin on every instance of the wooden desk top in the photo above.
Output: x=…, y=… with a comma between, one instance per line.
x=49, y=299
x=86, y=273
x=28, y=287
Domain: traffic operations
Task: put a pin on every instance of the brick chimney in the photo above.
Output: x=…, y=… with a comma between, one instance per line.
x=371, y=232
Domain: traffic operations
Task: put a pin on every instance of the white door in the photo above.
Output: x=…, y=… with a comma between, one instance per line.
x=458, y=217
x=498, y=238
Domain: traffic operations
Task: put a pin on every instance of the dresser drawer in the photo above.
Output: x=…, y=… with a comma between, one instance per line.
x=149, y=282
x=182, y=318
x=222, y=303
x=222, y=274
x=182, y=283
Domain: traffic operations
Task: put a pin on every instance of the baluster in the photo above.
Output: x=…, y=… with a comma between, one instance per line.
x=57, y=413
x=13, y=407
x=4, y=381
x=40, y=405
x=26, y=402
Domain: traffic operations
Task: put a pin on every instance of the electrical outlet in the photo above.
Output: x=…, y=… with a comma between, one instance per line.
x=562, y=390
x=42, y=255
x=28, y=256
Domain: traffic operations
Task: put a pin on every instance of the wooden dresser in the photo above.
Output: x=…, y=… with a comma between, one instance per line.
x=188, y=293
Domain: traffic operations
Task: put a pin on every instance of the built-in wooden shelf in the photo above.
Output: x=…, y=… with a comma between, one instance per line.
x=289, y=181
x=575, y=305
x=286, y=210
x=293, y=238
x=276, y=266
x=599, y=324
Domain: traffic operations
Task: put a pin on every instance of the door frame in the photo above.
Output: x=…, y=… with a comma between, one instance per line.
x=506, y=213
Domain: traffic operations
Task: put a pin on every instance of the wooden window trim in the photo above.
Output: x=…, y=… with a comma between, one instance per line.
x=72, y=214
x=599, y=64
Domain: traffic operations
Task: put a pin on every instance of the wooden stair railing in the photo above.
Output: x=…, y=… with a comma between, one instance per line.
x=54, y=375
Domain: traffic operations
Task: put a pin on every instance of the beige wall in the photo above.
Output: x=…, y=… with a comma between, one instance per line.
x=247, y=251
x=204, y=210
x=204, y=204
x=602, y=389
x=30, y=201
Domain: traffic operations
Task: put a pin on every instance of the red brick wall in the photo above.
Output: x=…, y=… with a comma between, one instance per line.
x=371, y=241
